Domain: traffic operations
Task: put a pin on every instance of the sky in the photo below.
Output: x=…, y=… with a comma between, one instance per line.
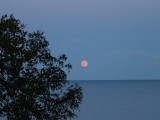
x=119, y=38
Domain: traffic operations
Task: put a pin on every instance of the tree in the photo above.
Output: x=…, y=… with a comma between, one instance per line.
x=33, y=83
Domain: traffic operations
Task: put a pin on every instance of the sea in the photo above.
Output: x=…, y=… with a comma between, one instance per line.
x=119, y=100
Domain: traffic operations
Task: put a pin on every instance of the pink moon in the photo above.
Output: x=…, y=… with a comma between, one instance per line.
x=84, y=63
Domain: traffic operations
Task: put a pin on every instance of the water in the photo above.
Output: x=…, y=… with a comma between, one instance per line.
x=120, y=100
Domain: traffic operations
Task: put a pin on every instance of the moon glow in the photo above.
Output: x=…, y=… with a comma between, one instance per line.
x=84, y=63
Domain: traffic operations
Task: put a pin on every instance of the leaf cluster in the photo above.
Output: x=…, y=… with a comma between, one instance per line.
x=33, y=83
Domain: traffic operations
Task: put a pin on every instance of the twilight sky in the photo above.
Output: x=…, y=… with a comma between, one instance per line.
x=119, y=38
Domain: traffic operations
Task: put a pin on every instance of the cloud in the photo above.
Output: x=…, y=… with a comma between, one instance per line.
x=71, y=44
x=157, y=58
x=150, y=58
x=126, y=54
x=76, y=41
x=137, y=53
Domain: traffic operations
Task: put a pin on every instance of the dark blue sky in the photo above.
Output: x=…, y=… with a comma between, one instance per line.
x=119, y=38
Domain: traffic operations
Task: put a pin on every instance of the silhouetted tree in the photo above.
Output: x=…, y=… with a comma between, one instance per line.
x=33, y=83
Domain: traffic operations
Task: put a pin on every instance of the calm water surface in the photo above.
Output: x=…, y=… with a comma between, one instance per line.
x=120, y=100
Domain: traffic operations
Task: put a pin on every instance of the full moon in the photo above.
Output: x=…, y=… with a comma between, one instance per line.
x=84, y=63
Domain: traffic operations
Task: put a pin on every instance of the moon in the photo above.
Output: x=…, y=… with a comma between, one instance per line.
x=84, y=63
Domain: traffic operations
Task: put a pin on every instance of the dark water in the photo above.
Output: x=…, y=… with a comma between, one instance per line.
x=120, y=100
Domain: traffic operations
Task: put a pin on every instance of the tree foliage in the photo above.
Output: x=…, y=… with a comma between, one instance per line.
x=33, y=83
